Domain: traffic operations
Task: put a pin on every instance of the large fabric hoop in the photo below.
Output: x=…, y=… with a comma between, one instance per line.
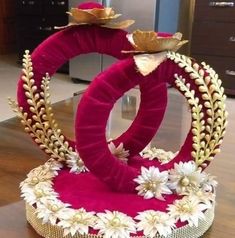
x=90, y=134
x=74, y=41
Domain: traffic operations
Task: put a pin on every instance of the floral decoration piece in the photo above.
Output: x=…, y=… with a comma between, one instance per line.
x=119, y=151
x=101, y=16
x=37, y=190
x=153, y=42
x=77, y=221
x=75, y=163
x=150, y=48
x=155, y=222
x=152, y=183
x=206, y=136
x=209, y=183
x=50, y=210
x=161, y=155
x=185, y=177
x=115, y=225
x=189, y=209
x=39, y=121
x=39, y=193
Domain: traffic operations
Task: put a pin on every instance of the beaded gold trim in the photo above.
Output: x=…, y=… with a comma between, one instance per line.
x=49, y=231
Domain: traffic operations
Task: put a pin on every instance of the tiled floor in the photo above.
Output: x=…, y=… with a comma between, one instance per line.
x=61, y=86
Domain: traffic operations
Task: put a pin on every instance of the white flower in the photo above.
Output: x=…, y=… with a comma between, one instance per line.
x=119, y=151
x=77, y=221
x=152, y=183
x=38, y=193
x=75, y=163
x=155, y=222
x=188, y=209
x=163, y=156
x=54, y=166
x=185, y=177
x=114, y=225
x=41, y=174
x=209, y=183
x=208, y=198
x=51, y=210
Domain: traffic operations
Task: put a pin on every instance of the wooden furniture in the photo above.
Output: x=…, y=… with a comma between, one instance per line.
x=19, y=155
x=36, y=20
x=213, y=38
x=7, y=26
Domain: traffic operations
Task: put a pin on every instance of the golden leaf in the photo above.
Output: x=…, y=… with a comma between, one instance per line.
x=150, y=42
x=96, y=16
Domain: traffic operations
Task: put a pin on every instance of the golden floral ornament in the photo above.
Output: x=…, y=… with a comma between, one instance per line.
x=150, y=48
x=96, y=16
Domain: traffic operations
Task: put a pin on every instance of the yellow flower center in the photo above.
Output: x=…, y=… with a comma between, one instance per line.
x=185, y=181
x=35, y=180
x=151, y=185
x=115, y=222
x=54, y=208
x=39, y=192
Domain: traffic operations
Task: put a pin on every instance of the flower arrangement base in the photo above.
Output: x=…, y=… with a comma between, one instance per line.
x=56, y=197
x=50, y=231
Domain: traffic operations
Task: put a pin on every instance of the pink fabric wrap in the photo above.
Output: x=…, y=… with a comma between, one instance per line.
x=66, y=44
x=93, y=112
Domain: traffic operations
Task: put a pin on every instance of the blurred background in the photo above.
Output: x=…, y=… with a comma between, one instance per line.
x=208, y=25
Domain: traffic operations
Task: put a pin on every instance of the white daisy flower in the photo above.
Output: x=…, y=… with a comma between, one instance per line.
x=189, y=209
x=155, y=222
x=208, y=198
x=41, y=174
x=75, y=163
x=209, y=183
x=185, y=177
x=119, y=151
x=114, y=225
x=152, y=183
x=77, y=221
x=51, y=210
x=38, y=193
x=53, y=166
x=163, y=156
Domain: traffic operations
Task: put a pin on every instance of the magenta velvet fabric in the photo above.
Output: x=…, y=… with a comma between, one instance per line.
x=86, y=191
x=93, y=112
x=78, y=40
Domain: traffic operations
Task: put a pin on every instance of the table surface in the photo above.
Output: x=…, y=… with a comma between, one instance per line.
x=19, y=155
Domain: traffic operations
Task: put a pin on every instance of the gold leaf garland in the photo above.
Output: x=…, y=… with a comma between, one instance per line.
x=197, y=114
x=41, y=125
x=207, y=133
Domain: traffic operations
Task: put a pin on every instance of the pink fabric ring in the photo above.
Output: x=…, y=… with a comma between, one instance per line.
x=74, y=41
x=98, y=101
x=93, y=112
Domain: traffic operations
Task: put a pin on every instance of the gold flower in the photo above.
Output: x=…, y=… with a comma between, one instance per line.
x=96, y=16
x=151, y=42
